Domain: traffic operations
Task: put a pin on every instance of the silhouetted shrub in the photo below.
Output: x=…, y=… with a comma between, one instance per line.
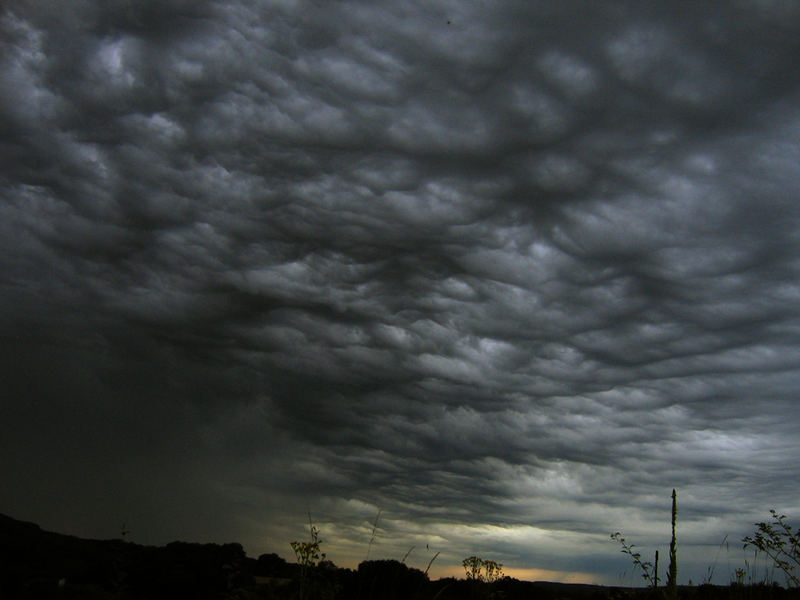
x=272, y=565
x=389, y=579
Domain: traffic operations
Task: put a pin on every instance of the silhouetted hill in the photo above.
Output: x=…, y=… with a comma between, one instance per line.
x=40, y=564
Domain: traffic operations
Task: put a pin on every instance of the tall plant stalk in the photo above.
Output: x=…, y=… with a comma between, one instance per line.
x=655, y=571
x=672, y=574
x=650, y=570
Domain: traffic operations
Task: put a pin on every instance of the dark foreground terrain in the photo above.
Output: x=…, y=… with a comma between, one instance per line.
x=40, y=564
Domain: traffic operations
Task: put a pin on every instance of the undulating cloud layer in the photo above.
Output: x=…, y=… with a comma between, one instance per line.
x=508, y=272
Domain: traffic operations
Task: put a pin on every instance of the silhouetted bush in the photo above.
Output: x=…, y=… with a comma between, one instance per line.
x=389, y=579
x=272, y=565
x=188, y=570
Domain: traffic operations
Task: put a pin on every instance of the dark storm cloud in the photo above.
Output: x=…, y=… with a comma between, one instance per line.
x=510, y=271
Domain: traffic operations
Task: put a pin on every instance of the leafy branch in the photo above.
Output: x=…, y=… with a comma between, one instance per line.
x=645, y=567
x=308, y=555
x=779, y=541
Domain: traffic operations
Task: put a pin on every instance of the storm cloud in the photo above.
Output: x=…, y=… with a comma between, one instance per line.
x=508, y=272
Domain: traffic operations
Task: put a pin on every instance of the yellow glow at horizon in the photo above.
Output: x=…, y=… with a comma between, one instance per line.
x=525, y=575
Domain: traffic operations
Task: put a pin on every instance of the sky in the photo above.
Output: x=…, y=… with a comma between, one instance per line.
x=498, y=274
